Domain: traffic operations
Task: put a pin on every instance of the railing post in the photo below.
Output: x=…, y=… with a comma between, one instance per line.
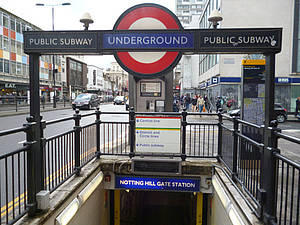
x=16, y=101
x=132, y=131
x=98, y=122
x=269, y=174
x=77, y=128
x=31, y=166
x=183, y=124
x=220, y=135
x=235, y=146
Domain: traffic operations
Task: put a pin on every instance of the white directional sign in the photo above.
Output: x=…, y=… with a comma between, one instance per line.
x=158, y=134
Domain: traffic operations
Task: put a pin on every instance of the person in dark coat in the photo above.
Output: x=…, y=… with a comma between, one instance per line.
x=297, y=106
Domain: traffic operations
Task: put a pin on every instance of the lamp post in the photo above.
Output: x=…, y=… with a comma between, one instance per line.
x=215, y=17
x=53, y=57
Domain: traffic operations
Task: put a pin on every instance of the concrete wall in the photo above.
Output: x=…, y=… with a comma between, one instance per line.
x=95, y=210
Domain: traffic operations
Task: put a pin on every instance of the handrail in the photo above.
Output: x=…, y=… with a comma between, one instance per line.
x=12, y=131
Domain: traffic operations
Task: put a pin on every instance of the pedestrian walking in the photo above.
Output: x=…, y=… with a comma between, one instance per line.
x=200, y=103
x=194, y=103
x=187, y=101
x=218, y=104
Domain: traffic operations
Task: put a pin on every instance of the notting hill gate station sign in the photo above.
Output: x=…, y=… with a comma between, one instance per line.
x=147, y=41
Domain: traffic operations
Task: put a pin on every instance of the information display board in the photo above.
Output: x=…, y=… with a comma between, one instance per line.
x=151, y=89
x=254, y=91
x=158, y=134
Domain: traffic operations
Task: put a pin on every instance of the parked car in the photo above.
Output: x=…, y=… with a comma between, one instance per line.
x=127, y=105
x=119, y=100
x=86, y=100
x=280, y=112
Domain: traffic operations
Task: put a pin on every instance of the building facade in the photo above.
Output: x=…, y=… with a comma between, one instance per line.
x=221, y=75
x=118, y=78
x=68, y=78
x=76, y=76
x=95, y=80
x=186, y=8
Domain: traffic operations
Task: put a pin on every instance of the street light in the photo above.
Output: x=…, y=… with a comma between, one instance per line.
x=215, y=17
x=53, y=58
x=86, y=19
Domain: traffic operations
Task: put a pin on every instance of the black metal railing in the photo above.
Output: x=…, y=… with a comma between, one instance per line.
x=251, y=164
x=288, y=185
x=239, y=145
x=13, y=181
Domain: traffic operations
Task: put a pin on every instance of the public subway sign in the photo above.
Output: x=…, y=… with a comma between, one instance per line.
x=157, y=183
x=148, y=40
x=191, y=41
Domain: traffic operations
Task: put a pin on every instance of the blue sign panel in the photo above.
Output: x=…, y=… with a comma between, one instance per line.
x=158, y=183
x=283, y=80
x=148, y=41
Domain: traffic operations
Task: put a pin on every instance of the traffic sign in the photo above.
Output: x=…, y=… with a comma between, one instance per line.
x=148, y=16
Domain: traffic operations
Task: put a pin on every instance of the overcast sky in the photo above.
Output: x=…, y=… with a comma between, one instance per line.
x=104, y=13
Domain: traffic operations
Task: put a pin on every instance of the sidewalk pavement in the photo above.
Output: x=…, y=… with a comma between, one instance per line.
x=11, y=110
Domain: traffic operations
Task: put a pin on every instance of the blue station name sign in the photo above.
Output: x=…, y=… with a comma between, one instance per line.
x=145, y=40
x=157, y=183
x=258, y=40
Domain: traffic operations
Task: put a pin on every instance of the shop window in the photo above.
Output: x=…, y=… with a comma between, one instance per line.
x=1, y=65
x=6, y=66
x=5, y=21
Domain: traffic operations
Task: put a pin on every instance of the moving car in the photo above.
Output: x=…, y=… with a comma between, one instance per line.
x=280, y=112
x=86, y=100
x=119, y=100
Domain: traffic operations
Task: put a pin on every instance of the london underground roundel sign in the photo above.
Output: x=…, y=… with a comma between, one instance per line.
x=146, y=17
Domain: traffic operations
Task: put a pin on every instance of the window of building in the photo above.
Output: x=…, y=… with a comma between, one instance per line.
x=13, y=24
x=12, y=67
x=186, y=0
x=1, y=65
x=23, y=27
x=24, y=69
x=18, y=27
x=79, y=67
x=19, y=68
x=5, y=43
x=0, y=19
x=13, y=46
x=6, y=66
x=5, y=21
x=1, y=46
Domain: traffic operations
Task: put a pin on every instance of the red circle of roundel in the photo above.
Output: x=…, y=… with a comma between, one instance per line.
x=143, y=11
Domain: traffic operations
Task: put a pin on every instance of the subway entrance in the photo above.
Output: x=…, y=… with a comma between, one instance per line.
x=132, y=207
